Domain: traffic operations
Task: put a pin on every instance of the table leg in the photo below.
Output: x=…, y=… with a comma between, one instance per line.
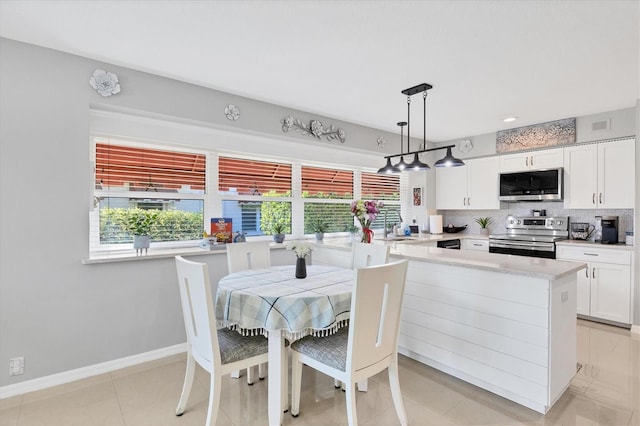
x=278, y=386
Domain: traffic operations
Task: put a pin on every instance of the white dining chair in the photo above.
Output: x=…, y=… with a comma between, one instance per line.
x=369, y=345
x=249, y=255
x=219, y=352
x=362, y=256
x=366, y=254
x=243, y=256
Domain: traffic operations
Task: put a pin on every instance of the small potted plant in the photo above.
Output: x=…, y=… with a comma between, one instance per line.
x=278, y=232
x=139, y=222
x=319, y=226
x=484, y=223
x=353, y=231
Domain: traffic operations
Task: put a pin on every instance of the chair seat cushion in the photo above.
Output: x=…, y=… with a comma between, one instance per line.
x=330, y=350
x=235, y=347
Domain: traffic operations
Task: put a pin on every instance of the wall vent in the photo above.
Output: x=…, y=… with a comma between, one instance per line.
x=601, y=125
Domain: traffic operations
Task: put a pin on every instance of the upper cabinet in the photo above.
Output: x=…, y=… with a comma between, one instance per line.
x=472, y=186
x=545, y=159
x=600, y=175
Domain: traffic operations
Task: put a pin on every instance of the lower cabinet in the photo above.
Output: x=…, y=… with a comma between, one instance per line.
x=604, y=288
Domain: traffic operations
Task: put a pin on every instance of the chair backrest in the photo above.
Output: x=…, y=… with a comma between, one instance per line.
x=243, y=256
x=364, y=255
x=375, y=314
x=198, y=312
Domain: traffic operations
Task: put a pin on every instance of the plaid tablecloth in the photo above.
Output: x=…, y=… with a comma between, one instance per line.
x=262, y=300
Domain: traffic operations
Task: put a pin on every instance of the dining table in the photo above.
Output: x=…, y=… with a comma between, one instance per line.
x=273, y=302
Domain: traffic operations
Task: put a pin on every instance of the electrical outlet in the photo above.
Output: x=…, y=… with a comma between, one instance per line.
x=16, y=366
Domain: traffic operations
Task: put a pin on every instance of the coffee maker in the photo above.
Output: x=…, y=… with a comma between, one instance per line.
x=610, y=225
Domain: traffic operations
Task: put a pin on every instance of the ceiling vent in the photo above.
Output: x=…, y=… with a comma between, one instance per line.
x=601, y=125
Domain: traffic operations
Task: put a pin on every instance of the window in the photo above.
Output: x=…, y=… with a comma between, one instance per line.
x=385, y=188
x=130, y=178
x=256, y=195
x=327, y=194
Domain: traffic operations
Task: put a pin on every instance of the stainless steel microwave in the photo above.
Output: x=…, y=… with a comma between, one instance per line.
x=532, y=185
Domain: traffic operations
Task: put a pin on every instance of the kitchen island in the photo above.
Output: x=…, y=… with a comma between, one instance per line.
x=504, y=323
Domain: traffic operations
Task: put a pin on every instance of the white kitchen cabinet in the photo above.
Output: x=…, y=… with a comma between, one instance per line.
x=472, y=186
x=475, y=244
x=544, y=159
x=600, y=175
x=604, y=288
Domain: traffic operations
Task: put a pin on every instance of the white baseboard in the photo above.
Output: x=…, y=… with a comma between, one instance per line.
x=92, y=370
x=635, y=329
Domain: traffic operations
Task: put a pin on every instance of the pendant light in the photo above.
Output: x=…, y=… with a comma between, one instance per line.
x=401, y=166
x=448, y=161
x=389, y=168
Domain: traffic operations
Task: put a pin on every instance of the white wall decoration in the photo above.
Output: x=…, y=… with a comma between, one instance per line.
x=232, y=112
x=105, y=83
x=315, y=129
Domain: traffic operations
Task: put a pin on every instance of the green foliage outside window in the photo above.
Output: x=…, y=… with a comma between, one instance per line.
x=167, y=225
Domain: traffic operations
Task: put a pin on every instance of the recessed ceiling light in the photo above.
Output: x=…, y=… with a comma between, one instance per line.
x=510, y=119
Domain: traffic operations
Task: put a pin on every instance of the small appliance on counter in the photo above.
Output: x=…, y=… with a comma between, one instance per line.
x=581, y=230
x=610, y=225
x=435, y=224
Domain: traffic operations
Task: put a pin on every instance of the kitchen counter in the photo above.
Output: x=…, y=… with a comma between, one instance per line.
x=421, y=249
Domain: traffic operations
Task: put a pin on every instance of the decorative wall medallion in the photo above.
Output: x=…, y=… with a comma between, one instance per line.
x=315, y=129
x=560, y=132
x=105, y=83
x=381, y=142
x=232, y=112
x=466, y=145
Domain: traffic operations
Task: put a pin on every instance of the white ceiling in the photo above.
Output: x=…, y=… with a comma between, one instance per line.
x=539, y=60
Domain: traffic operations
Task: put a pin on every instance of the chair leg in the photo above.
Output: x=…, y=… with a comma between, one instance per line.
x=336, y=383
x=250, y=374
x=235, y=374
x=363, y=385
x=186, y=387
x=262, y=370
x=352, y=414
x=296, y=384
x=394, y=384
x=214, y=399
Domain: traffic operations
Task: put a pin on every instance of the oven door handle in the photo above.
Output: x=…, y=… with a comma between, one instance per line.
x=525, y=246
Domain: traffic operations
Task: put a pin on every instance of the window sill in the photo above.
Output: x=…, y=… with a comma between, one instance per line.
x=157, y=253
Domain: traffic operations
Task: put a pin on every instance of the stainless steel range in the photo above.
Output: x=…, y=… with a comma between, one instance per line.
x=531, y=236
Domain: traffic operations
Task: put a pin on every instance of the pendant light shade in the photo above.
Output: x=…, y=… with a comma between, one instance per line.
x=449, y=160
x=417, y=165
x=388, y=169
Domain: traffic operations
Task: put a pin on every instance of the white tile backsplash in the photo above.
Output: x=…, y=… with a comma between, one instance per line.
x=467, y=217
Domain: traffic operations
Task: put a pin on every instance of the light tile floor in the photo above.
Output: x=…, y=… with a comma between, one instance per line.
x=606, y=391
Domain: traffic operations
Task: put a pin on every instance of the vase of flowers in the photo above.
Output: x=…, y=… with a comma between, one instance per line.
x=366, y=212
x=301, y=249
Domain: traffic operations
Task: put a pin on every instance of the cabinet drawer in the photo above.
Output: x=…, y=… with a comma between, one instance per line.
x=480, y=245
x=588, y=254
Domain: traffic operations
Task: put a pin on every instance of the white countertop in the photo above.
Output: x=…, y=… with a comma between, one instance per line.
x=420, y=249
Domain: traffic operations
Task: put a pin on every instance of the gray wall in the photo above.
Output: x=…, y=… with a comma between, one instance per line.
x=56, y=312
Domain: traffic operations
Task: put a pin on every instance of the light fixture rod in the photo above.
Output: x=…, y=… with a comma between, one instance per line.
x=420, y=151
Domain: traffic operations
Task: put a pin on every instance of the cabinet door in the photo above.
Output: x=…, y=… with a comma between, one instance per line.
x=583, y=297
x=610, y=292
x=514, y=162
x=616, y=174
x=580, y=177
x=483, y=183
x=451, y=188
x=547, y=159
